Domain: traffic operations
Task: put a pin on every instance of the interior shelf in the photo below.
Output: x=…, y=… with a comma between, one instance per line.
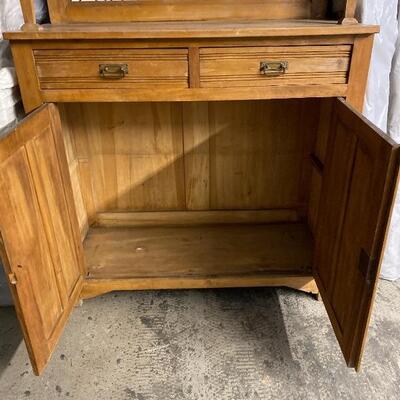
x=198, y=251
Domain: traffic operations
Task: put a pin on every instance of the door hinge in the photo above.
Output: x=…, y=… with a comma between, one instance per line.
x=368, y=266
x=12, y=278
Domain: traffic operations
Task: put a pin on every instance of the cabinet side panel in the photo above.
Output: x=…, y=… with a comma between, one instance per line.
x=359, y=69
x=26, y=71
x=82, y=209
x=357, y=192
x=26, y=245
x=47, y=179
x=319, y=157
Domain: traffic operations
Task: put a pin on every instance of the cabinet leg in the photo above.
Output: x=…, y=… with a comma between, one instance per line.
x=308, y=286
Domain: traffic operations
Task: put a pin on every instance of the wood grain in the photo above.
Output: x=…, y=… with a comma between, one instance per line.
x=194, y=67
x=359, y=179
x=79, y=69
x=195, y=156
x=26, y=72
x=198, y=251
x=237, y=154
x=130, y=155
x=324, y=127
x=97, y=287
x=41, y=247
x=175, y=10
x=179, y=218
x=240, y=66
x=318, y=67
x=196, y=94
x=359, y=68
x=81, y=208
x=349, y=12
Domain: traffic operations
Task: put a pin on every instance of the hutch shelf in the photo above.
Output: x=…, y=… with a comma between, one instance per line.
x=183, y=144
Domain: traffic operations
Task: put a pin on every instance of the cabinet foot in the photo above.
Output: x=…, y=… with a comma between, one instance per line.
x=309, y=287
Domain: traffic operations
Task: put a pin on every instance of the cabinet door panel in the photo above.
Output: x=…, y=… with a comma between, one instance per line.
x=42, y=256
x=359, y=180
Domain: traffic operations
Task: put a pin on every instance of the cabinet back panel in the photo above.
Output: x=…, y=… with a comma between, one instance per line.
x=191, y=156
x=177, y=10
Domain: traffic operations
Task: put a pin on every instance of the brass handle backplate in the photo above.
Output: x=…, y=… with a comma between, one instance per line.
x=113, y=71
x=273, y=68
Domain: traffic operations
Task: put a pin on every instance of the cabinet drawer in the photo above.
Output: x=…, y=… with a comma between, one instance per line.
x=267, y=66
x=111, y=68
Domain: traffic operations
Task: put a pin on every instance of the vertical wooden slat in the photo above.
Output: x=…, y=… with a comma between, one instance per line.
x=25, y=66
x=359, y=69
x=349, y=13
x=194, y=67
x=28, y=11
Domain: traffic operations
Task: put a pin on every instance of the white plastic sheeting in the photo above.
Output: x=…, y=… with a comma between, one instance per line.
x=10, y=18
x=382, y=105
x=391, y=263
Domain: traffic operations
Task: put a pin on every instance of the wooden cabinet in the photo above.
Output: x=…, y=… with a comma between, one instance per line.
x=209, y=154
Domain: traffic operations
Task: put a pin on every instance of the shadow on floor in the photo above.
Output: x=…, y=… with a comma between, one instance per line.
x=224, y=343
x=254, y=316
x=10, y=336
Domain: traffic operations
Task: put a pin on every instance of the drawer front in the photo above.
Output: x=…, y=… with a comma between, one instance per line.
x=111, y=68
x=268, y=66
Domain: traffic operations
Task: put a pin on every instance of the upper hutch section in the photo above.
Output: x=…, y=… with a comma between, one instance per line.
x=97, y=11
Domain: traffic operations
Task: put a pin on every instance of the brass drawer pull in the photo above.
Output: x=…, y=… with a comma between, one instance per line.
x=113, y=71
x=273, y=68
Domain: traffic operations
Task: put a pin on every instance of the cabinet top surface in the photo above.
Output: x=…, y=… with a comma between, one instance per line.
x=189, y=29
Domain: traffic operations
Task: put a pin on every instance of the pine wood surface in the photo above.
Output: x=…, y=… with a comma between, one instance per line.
x=41, y=248
x=198, y=251
x=181, y=218
x=240, y=66
x=360, y=173
x=194, y=156
x=190, y=30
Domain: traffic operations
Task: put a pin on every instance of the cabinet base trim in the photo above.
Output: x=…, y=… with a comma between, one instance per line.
x=97, y=287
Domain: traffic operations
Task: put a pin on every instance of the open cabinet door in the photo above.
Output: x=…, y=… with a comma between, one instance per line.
x=359, y=179
x=40, y=243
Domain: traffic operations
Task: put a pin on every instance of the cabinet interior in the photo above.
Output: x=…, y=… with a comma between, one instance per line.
x=196, y=189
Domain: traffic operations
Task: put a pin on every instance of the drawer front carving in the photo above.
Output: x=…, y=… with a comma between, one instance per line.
x=268, y=66
x=111, y=68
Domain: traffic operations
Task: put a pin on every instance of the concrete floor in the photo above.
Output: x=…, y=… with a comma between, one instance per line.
x=213, y=345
